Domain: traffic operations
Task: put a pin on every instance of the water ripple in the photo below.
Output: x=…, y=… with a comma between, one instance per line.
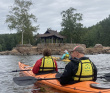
x=10, y=62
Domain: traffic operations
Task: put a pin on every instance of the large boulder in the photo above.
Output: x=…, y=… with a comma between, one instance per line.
x=98, y=46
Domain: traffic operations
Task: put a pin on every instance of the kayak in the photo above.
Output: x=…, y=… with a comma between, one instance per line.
x=58, y=59
x=81, y=87
x=66, y=60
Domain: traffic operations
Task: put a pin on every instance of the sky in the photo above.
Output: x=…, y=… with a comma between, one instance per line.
x=48, y=13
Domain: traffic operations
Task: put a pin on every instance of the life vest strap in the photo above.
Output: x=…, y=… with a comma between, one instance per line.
x=80, y=72
x=46, y=72
x=84, y=76
x=43, y=63
x=47, y=67
x=85, y=62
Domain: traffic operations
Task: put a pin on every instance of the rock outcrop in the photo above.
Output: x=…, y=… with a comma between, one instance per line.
x=21, y=50
x=98, y=46
x=98, y=50
x=57, y=49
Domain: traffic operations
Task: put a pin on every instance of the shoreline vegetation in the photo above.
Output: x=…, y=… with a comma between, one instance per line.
x=20, y=19
x=57, y=49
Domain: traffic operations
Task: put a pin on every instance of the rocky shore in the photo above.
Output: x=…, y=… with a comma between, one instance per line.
x=57, y=49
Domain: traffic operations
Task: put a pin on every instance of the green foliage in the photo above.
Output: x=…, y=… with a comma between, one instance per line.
x=71, y=25
x=98, y=34
x=20, y=19
x=0, y=47
x=74, y=32
x=8, y=41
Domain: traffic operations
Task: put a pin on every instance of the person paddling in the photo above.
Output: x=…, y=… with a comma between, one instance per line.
x=45, y=64
x=65, y=55
x=79, y=69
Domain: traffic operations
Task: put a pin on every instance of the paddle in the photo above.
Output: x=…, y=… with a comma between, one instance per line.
x=27, y=80
x=15, y=71
x=20, y=71
x=106, y=76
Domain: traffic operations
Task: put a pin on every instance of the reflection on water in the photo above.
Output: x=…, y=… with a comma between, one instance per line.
x=9, y=63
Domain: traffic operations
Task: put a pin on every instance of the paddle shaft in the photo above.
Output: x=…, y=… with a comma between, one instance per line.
x=27, y=70
x=46, y=78
x=59, y=77
x=102, y=77
x=27, y=80
x=20, y=70
x=15, y=71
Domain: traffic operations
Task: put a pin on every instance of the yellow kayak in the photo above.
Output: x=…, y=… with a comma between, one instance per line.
x=59, y=59
x=56, y=58
x=66, y=60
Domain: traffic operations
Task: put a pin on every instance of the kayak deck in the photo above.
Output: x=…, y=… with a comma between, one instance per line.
x=81, y=87
x=59, y=59
x=66, y=60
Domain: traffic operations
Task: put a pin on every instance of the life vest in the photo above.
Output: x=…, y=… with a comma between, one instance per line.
x=66, y=56
x=47, y=64
x=85, y=71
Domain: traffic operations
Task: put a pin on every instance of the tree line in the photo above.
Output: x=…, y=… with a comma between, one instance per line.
x=8, y=41
x=74, y=31
x=97, y=34
x=20, y=19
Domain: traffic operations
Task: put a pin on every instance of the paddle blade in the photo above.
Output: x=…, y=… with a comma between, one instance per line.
x=23, y=81
x=107, y=76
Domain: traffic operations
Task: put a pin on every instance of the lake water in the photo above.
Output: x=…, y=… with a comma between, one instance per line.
x=9, y=63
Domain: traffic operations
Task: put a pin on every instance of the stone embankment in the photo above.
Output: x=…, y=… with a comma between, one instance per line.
x=98, y=49
x=57, y=49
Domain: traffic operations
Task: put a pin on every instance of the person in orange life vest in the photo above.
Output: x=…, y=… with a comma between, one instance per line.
x=45, y=64
x=79, y=69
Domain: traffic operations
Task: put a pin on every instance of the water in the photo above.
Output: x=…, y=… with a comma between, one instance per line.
x=9, y=63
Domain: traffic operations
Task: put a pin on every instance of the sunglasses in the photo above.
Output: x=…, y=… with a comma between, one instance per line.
x=72, y=51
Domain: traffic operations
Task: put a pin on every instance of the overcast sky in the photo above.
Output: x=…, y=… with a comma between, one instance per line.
x=48, y=12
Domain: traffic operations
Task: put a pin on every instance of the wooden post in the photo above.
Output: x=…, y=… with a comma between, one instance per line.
x=40, y=40
x=56, y=40
x=52, y=40
x=62, y=40
x=59, y=41
x=49, y=40
x=44, y=40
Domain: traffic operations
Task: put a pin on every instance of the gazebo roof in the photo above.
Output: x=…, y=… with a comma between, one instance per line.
x=50, y=33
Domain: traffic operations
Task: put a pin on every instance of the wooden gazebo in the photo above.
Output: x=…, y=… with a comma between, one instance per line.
x=51, y=36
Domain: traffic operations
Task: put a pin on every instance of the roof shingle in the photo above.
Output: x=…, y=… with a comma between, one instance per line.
x=50, y=33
